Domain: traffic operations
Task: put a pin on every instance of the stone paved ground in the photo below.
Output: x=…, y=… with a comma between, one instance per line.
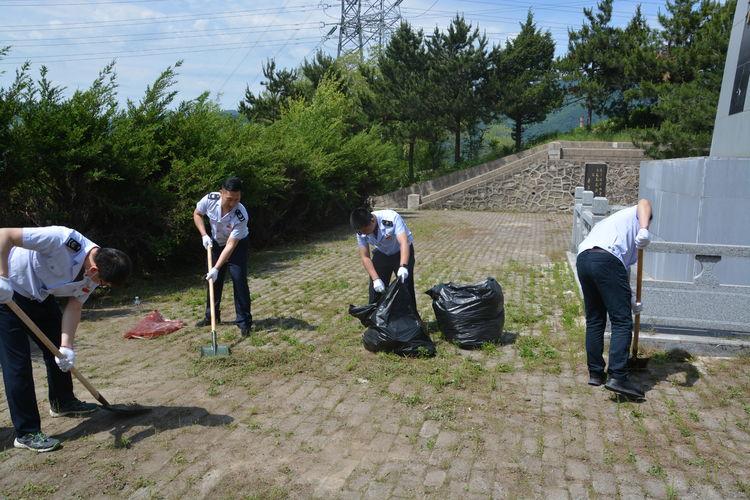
x=302, y=410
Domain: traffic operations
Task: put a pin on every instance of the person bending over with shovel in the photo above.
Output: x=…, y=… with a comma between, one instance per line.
x=603, y=265
x=393, y=253
x=229, y=245
x=36, y=265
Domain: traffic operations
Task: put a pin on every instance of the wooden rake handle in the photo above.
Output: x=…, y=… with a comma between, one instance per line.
x=638, y=289
x=51, y=348
x=211, y=289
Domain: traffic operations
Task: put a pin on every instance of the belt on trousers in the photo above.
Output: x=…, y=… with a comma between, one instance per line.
x=597, y=249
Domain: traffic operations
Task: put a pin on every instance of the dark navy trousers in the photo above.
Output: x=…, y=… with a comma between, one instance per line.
x=237, y=265
x=387, y=265
x=606, y=291
x=15, y=357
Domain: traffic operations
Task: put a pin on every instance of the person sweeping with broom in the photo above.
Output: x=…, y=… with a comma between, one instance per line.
x=603, y=265
x=36, y=265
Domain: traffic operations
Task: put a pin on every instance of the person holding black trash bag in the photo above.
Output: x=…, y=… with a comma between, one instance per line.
x=393, y=251
x=38, y=264
x=603, y=265
x=229, y=245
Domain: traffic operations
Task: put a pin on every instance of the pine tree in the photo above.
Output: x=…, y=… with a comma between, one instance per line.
x=280, y=85
x=592, y=67
x=459, y=71
x=403, y=87
x=524, y=78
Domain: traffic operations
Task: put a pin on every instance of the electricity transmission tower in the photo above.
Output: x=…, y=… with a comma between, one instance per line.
x=366, y=23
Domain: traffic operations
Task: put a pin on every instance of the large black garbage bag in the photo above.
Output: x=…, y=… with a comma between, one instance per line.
x=393, y=325
x=469, y=315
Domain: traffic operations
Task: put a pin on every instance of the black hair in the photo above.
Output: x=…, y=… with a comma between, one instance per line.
x=114, y=265
x=359, y=218
x=232, y=184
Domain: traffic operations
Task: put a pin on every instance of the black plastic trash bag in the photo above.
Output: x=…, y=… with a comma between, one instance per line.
x=469, y=315
x=393, y=325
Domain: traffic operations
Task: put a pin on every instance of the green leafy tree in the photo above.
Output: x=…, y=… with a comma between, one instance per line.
x=524, y=78
x=459, y=72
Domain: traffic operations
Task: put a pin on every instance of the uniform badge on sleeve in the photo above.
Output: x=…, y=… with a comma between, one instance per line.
x=388, y=223
x=73, y=244
x=214, y=196
x=239, y=215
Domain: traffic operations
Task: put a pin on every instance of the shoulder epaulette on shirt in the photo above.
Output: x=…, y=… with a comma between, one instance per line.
x=73, y=244
x=239, y=215
x=388, y=223
x=213, y=196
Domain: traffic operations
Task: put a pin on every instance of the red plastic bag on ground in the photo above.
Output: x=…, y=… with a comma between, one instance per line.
x=153, y=325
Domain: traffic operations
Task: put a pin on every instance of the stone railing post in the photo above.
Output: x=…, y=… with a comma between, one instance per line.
x=599, y=208
x=575, y=237
x=413, y=201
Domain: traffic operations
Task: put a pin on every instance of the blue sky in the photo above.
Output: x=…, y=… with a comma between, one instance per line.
x=224, y=43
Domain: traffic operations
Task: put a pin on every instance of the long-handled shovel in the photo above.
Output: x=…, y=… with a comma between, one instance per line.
x=127, y=409
x=634, y=361
x=214, y=349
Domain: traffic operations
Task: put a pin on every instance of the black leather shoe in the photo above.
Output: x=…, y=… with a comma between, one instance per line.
x=597, y=379
x=624, y=387
x=245, y=331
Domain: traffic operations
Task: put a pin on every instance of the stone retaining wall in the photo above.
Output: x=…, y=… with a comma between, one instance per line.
x=547, y=184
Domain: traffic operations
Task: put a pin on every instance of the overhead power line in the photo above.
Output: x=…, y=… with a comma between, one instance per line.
x=144, y=51
x=213, y=32
x=111, y=56
x=72, y=4
x=159, y=19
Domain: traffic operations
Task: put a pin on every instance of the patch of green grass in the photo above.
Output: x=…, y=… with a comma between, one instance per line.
x=504, y=368
x=534, y=348
x=430, y=444
x=671, y=492
x=121, y=442
x=412, y=400
x=38, y=490
x=142, y=482
x=657, y=470
x=743, y=487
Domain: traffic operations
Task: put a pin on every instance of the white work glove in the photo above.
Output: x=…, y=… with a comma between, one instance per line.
x=378, y=285
x=207, y=241
x=68, y=360
x=212, y=274
x=402, y=274
x=643, y=238
x=637, y=307
x=6, y=290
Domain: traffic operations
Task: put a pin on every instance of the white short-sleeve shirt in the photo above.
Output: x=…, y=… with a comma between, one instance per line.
x=49, y=262
x=232, y=224
x=616, y=234
x=389, y=225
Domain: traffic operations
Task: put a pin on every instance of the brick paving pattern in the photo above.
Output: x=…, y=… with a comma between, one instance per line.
x=301, y=410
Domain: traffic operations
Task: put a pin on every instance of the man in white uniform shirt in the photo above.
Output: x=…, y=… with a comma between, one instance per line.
x=36, y=265
x=229, y=245
x=603, y=265
x=393, y=251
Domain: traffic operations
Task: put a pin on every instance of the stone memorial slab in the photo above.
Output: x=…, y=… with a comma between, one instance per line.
x=595, y=178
